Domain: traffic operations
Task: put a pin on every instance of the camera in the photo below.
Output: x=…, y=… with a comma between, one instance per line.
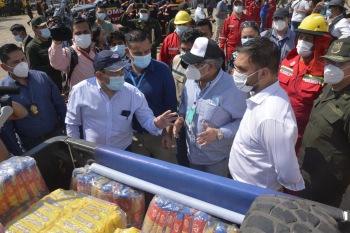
x=62, y=17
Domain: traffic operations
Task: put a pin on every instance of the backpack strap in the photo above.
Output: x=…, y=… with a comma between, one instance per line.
x=334, y=22
x=73, y=63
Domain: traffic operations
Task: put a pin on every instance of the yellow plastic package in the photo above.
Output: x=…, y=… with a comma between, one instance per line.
x=54, y=229
x=85, y=223
x=129, y=230
x=18, y=227
x=47, y=209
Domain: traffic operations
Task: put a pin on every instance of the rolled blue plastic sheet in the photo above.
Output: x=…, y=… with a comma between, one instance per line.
x=219, y=191
x=175, y=196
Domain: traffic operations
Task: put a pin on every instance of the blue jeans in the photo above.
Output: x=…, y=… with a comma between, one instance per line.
x=220, y=168
x=29, y=144
x=263, y=22
x=181, y=147
x=294, y=25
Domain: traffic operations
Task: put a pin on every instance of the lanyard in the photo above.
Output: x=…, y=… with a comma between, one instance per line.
x=133, y=80
x=85, y=55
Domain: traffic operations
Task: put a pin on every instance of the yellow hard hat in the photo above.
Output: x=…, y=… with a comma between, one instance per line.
x=314, y=24
x=182, y=17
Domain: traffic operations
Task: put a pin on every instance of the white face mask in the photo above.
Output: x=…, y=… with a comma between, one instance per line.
x=304, y=48
x=241, y=80
x=333, y=74
x=83, y=41
x=238, y=9
x=20, y=70
x=193, y=73
x=279, y=25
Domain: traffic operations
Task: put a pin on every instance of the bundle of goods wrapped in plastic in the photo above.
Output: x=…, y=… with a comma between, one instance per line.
x=166, y=216
x=130, y=200
x=69, y=211
x=129, y=230
x=21, y=185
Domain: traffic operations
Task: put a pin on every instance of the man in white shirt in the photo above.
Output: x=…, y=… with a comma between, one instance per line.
x=199, y=13
x=105, y=105
x=339, y=26
x=263, y=151
x=301, y=9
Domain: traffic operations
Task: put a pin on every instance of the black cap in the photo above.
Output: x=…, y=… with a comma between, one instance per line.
x=281, y=13
x=203, y=48
x=106, y=59
x=184, y=6
x=339, y=51
x=340, y=3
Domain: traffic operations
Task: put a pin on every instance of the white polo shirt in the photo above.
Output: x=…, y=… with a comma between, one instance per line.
x=341, y=29
x=263, y=151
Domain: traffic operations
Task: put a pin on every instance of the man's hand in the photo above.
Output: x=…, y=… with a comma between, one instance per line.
x=179, y=123
x=130, y=9
x=165, y=119
x=208, y=136
x=167, y=141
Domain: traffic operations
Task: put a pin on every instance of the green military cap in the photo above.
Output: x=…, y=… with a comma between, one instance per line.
x=144, y=7
x=184, y=6
x=339, y=51
x=38, y=21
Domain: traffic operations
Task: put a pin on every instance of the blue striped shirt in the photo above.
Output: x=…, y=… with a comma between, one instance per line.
x=222, y=106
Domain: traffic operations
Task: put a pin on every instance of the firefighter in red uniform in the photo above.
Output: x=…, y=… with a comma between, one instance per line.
x=171, y=44
x=269, y=20
x=253, y=11
x=301, y=74
x=231, y=31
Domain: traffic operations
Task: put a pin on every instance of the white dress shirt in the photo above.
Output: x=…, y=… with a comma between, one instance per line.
x=263, y=151
x=101, y=117
x=199, y=14
x=341, y=29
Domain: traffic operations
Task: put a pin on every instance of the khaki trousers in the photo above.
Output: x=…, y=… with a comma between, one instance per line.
x=147, y=144
x=219, y=24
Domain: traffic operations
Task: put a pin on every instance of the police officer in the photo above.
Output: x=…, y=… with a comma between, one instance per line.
x=339, y=26
x=325, y=152
x=182, y=7
x=161, y=19
x=170, y=11
x=29, y=10
x=153, y=8
x=144, y=23
x=301, y=74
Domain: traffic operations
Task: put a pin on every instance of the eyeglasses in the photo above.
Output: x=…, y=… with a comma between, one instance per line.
x=327, y=62
x=249, y=24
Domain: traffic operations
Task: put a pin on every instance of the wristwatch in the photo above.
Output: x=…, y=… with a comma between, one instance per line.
x=219, y=136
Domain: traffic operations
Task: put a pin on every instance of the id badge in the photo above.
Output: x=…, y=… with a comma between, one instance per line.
x=34, y=110
x=190, y=115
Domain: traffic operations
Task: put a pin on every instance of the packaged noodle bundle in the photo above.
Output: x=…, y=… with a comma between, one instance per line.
x=130, y=200
x=129, y=230
x=21, y=185
x=167, y=216
x=69, y=211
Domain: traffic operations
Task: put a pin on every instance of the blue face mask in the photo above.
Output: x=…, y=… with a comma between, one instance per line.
x=115, y=82
x=18, y=38
x=142, y=61
x=143, y=16
x=329, y=12
x=181, y=29
x=201, y=6
x=119, y=49
x=108, y=20
x=101, y=16
x=246, y=40
x=45, y=33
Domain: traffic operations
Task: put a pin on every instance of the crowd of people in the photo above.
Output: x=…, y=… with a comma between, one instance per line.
x=270, y=111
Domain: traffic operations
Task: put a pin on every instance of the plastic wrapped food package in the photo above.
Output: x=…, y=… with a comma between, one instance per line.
x=69, y=211
x=128, y=230
x=21, y=185
x=166, y=216
x=130, y=200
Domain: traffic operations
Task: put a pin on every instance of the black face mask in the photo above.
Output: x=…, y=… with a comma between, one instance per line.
x=183, y=64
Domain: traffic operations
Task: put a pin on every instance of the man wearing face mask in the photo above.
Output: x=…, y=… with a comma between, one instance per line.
x=105, y=106
x=221, y=14
x=154, y=79
x=146, y=24
x=325, y=151
x=200, y=14
x=61, y=58
x=37, y=51
x=339, y=26
x=171, y=25
x=178, y=68
x=171, y=44
x=263, y=152
x=211, y=108
x=116, y=41
x=39, y=95
x=301, y=74
x=100, y=20
x=231, y=32
x=281, y=34
x=20, y=34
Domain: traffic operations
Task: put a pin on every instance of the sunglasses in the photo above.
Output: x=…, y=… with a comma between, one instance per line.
x=249, y=24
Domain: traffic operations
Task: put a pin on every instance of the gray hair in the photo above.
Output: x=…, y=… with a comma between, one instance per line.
x=217, y=62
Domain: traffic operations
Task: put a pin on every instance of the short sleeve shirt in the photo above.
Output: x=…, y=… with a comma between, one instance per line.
x=301, y=5
x=221, y=7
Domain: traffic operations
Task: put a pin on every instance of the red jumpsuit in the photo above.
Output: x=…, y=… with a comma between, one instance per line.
x=231, y=33
x=247, y=4
x=170, y=48
x=254, y=12
x=269, y=16
x=303, y=86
